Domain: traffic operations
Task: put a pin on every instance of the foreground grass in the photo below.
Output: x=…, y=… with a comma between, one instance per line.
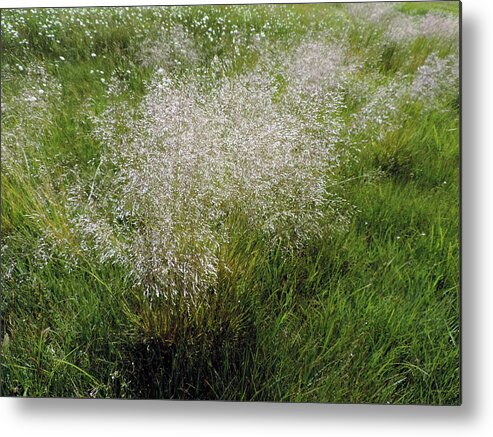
x=369, y=314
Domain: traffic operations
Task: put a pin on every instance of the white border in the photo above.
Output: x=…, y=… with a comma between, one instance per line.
x=130, y=418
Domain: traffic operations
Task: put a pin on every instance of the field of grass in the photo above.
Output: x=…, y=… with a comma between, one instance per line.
x=255, y=203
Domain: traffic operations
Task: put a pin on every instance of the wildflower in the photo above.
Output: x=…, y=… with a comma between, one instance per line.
x=62, y=58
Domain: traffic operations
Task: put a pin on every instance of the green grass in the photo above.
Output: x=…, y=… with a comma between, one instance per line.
x=422, y=8
x=369, y=314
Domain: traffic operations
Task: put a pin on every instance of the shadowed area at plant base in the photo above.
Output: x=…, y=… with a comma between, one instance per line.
x=212, y=363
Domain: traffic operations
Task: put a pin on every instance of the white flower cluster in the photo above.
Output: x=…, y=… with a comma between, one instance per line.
x=436, y=77
x=195, y=165
x=26, y=112
x=316, y=66
x=382, y=111
x=170, y=50
x=432, y=25
x=401, y=27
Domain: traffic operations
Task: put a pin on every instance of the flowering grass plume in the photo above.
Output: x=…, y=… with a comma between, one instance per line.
x=399, y=27
x=436, y=78
x=432, y=25
x=194, y=164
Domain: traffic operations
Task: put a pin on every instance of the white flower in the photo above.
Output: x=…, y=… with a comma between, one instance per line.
x=62, y=58
x=93, y=55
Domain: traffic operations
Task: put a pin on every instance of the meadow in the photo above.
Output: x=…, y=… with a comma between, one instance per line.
x=249, y=203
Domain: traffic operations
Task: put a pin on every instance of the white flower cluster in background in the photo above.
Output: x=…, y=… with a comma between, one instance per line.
x=170, y=50
x=436, y=77
x=433, y=24
x=27, y=113
x=400, y=27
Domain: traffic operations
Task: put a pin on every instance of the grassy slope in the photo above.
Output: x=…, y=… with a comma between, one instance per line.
x=370, y=315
